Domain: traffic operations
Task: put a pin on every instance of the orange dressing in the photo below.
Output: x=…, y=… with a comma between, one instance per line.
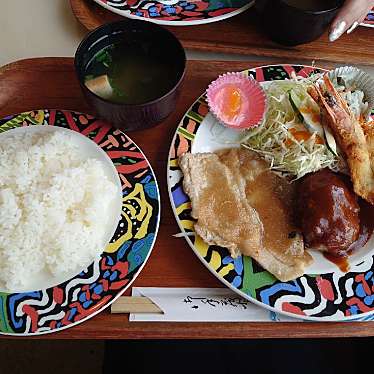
x=300, y=135
x=316, y=117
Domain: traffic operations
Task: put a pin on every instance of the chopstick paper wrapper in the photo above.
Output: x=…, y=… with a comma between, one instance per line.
x=154, y=304
x=192, y=305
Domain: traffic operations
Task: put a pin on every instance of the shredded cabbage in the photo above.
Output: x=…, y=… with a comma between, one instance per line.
x=353, y=95
x=356, y=101
x=275, y=139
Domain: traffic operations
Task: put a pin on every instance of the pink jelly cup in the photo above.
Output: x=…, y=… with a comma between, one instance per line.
x=253, y=100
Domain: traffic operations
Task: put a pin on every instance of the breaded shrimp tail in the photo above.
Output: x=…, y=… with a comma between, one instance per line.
x=349, y=134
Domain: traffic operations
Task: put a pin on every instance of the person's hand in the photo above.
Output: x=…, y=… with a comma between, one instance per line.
x=352, y=13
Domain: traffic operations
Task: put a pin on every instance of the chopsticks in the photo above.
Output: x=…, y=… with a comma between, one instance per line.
x=135, y=304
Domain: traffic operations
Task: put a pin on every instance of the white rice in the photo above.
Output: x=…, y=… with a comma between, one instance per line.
x=53, y=206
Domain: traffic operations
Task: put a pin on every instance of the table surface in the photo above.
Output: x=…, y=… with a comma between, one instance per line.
x=242, y=35
x=51, y=83
x=38, y=28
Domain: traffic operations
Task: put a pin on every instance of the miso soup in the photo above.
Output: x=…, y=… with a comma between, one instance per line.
x=134, y=73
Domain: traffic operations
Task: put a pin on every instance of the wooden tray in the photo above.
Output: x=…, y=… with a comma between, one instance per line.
x=241, y=35
x=51, y=83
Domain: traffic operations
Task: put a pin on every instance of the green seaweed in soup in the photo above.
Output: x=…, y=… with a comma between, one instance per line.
x=137, y=72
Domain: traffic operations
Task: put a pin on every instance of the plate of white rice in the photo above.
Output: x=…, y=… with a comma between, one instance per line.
x=79, y=213
x=60, y=203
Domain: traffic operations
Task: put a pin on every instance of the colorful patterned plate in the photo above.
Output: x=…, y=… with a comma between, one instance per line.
x=369, y=20
x=94, y=289
x=323, y=296
x=177, y=12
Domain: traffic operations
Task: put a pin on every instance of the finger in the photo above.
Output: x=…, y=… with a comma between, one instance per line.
x=349, y=17
x=352, y=27
x=357, y=23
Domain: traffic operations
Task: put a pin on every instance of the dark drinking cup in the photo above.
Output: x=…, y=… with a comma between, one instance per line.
x=293, y=22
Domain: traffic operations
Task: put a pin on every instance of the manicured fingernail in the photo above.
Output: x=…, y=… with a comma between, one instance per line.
x=337, y=32
x=355, y=24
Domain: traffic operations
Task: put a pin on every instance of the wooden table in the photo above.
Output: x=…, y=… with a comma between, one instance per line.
x=51, y=83
x=241, y=35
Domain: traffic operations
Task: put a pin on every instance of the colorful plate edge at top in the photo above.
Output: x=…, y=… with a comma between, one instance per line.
x=369, y=20
x=324, y=297
x=182, y=13
x=90, y=292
